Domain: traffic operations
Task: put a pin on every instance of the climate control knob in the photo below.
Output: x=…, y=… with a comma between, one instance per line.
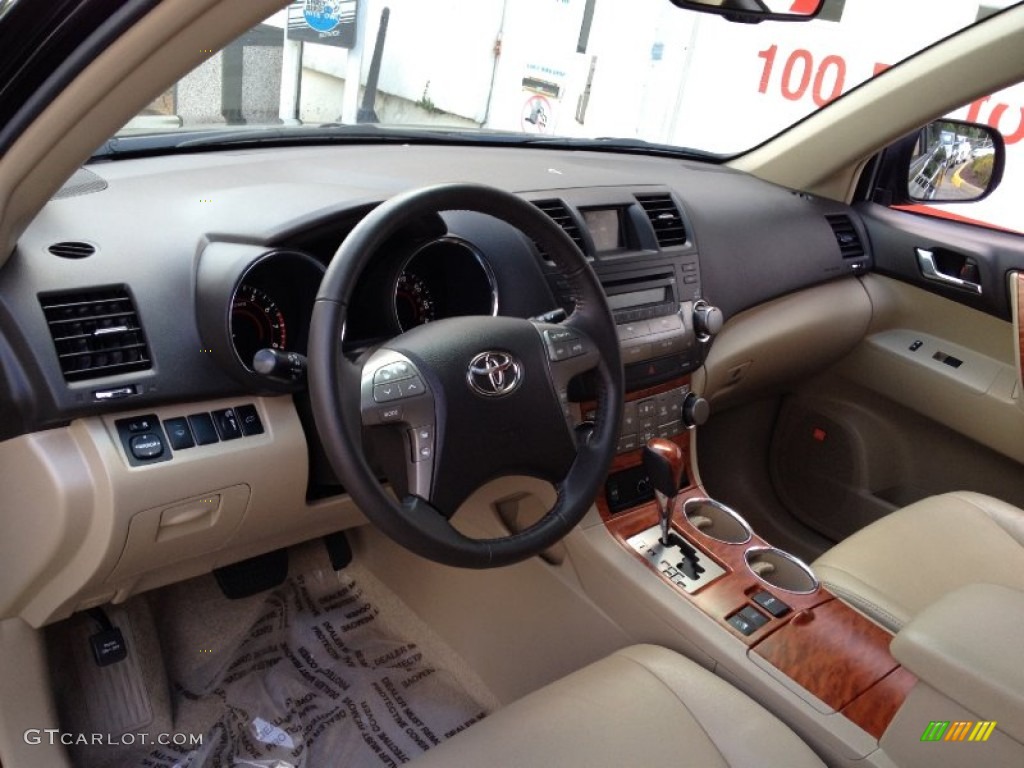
x=707, y=320
x=696, y=411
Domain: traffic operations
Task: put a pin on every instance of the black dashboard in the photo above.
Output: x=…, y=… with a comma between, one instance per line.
x=162, y=285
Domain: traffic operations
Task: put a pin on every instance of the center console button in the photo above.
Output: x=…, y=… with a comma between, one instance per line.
x=771, y=603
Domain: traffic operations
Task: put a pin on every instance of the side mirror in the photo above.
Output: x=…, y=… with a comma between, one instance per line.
x=955, y=162
x=755, y=11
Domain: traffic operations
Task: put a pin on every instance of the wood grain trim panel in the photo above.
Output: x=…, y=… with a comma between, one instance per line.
x=831, y=651
x=728, y=594
x=874, y=709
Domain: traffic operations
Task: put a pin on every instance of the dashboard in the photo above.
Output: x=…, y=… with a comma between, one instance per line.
x=144, y=303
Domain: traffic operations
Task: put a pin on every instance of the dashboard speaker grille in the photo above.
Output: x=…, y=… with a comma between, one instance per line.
x=558, y=213
x=96, y=332
x=665, y=217
x=846, y=234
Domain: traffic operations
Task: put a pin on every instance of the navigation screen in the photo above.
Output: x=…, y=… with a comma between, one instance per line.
x=604, y=228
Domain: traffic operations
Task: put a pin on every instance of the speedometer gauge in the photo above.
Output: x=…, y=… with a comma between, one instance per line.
x=256, y=323
x=414, y=302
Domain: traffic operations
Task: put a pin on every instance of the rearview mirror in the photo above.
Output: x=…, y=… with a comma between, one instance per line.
x=755, y=11
x=955, y=162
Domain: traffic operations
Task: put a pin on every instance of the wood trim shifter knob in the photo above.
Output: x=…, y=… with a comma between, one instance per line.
x=664, y=464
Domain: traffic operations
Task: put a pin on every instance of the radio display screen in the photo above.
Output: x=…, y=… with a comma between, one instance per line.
x=605, y=228
x=637, y=298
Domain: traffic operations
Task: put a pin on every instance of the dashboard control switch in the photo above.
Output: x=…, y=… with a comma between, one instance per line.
x=707, y=320
x=202, y=428
x=147, y=446
x=178, y=434
x=280, y=365
x=227, y=424
x=696, y=411
x=249, y=420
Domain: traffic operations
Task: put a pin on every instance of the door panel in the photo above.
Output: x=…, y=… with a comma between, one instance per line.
x=930, y=400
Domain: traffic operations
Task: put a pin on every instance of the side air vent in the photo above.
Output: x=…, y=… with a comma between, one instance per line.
x=96, y=332
x=665, y=218
x=557, y=211
x=72, y=250
x=846, y=234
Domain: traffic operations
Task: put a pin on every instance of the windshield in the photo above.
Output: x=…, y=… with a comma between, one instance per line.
x=611, y=69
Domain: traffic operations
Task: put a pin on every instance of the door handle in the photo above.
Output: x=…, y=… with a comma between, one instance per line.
x=931, y=271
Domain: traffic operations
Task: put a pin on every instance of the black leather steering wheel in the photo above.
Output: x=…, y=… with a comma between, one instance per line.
x=462, y=401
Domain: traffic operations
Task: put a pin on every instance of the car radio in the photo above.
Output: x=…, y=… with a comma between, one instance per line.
x=662, y=321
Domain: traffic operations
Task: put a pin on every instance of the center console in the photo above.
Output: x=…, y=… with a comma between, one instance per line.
x=794, y=629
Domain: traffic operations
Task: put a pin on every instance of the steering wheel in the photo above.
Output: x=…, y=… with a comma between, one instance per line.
x=461, y=401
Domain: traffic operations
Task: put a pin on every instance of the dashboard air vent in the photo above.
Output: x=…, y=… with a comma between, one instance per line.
x=664, y=214
x=557, y=211
x=72, y=250
x=96, y=332
x=846, y=235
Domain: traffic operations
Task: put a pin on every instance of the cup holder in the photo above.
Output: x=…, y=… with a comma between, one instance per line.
x=781, y=570
x=717, y=521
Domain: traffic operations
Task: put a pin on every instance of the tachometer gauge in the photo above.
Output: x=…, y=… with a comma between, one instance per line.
x=256, y=323
x=414, y=303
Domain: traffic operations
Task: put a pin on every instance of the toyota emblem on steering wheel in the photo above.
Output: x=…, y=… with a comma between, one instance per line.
x=494, y=374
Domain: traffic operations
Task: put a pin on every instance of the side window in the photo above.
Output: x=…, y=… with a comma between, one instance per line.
x=968, y=166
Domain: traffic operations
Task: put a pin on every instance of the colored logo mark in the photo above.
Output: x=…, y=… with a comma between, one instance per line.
x=961, y=730
x=322, y=15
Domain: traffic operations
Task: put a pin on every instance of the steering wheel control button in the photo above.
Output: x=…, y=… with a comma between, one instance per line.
x=390, y=414
x=385, y=393
x=771, y=603
x=203, y=429
x=178, y=434
x=147, y=446
x=412, y=387
x=422, y=441
x=494, y=374
x=227, y=424
x=249, y=420
x=393, y=372
x=399, y=390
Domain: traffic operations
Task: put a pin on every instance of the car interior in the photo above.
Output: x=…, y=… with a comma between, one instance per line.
x=467, y=453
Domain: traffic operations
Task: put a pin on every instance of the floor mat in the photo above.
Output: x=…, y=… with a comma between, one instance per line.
x=319, y=672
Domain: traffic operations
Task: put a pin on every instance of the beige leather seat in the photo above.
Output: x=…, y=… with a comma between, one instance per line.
x=643, y=705
x=895, y=567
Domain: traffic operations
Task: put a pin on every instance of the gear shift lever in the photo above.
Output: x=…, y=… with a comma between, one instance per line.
x=663, y=462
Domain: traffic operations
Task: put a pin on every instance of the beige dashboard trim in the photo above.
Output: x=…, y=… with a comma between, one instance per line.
x=84, y=527
x=785, y=339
